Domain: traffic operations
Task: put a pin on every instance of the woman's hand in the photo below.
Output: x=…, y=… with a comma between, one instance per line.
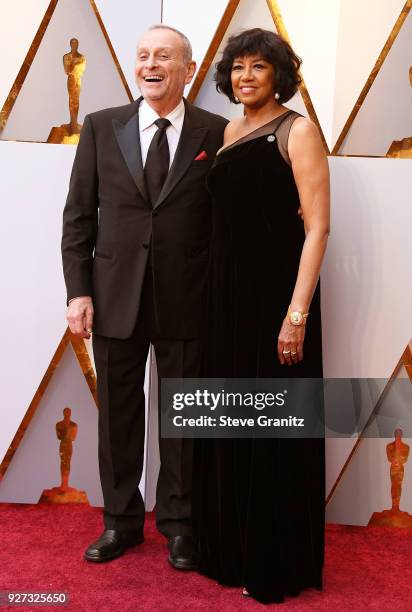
x=290, y=342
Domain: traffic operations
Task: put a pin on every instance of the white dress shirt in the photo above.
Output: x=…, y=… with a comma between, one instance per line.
x=147, y=128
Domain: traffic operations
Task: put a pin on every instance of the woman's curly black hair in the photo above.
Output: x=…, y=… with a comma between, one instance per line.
x=270, y=46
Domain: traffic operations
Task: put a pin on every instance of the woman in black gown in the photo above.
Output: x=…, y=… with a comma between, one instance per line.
x=258, y=504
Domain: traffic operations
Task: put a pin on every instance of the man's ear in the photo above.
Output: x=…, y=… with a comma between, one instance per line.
x=191, y=69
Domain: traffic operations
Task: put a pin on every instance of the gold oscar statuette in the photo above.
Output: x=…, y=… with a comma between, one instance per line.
x=397, y=453
x=402, y=148
x=66, y=431
x=74, y=64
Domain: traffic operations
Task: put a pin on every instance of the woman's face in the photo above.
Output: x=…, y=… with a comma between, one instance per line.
x=253, y=80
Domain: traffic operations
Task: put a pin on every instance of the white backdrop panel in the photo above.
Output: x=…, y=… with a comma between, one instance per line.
x=36, y=463
x=386, y=113
x=366, y=286
x=18, y=25
x=363, y=30
x=187, y=16
x=302, y=20
x=33, y=191
x=125, y=22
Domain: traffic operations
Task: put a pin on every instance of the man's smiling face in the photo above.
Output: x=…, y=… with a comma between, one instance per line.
x=162, y=69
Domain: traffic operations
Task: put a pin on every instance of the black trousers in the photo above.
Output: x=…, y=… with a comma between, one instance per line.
x=120, y=366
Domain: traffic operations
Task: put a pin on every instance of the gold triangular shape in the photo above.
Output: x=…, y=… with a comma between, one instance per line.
x=25, y=67
x=217, y=40
x=281, y=28
x=111, y=49
x=88, y=372
x=31, y=54
x=212, y=49
x=374, y=73
x=404, y=361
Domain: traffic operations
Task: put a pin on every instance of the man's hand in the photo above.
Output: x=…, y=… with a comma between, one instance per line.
x=80, y=316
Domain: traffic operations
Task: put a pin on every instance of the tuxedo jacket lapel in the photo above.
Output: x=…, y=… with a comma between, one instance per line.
x=128, y=137
x=191, y=138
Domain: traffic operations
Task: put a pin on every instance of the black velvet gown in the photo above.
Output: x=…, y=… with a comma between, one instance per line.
x=258, y=504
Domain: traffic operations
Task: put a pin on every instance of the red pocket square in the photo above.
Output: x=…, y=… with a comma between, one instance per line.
x=202, y=155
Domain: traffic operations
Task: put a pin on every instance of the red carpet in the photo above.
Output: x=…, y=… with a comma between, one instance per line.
x=42, y=548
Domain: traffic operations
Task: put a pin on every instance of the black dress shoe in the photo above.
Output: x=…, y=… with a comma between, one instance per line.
x=182, y=555
x=111, y=544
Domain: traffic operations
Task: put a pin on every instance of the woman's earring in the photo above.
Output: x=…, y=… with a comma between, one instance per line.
x=237, y=100
x=277, y=95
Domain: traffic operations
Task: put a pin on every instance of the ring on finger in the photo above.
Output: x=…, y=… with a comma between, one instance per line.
x=286, y=352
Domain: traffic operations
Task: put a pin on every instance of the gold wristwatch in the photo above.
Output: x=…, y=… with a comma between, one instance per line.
x=296, y=317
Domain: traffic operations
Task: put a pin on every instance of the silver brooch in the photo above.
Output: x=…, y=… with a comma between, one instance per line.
x=271, y=138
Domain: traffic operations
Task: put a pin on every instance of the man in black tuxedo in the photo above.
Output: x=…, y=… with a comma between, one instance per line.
x=136, y=230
